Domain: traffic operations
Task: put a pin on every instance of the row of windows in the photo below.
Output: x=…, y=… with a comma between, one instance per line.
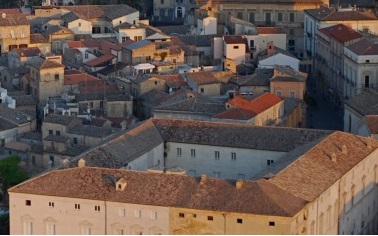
x=267, y=16
x=52, y=205
x=216, y=155
x=211, y=218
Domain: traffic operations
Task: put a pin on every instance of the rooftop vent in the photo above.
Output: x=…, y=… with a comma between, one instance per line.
x=344, y=149
x=239, y=184
x=333, y=157
x=81, y=163
x=203, y=179
x=121, y=184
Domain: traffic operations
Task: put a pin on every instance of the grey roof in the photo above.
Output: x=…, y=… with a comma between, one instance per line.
x=260, y=77
x=137, y=45
x=365, y=103
x=70, y=16
x=175, y=29
x=119, y=151
x=61, y=120
x=32, y=136
x=56, y=28
x=196, y=40
x=75, y=150
x=6, y=125
x=25, y=100
x=331, y=14
x=180, y=102
x=91, y=131
x=289, y=74
x=56, y=138
x=101, y=11
x=15, y=116
x=290, y=104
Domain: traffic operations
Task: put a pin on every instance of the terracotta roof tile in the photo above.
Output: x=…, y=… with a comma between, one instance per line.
x=37, y=38
x=270, y=30
x=341, y=33
x=364, y=47
x=76, y=77
x=166, y=190
x=206, y=77
x=233, y=39
x=100, y=60
x=372, y=123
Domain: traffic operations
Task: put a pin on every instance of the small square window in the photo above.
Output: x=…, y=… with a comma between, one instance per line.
x=239, y=221
x=51, y=204
x=193, y=152
x=202, y=90
x=181, y=215
x=236, y=47
x=77, y=206
x=57, y=133
x=272, y=223
x=75, y=141
x=56, y=76
x=179, y=152
x=210, y=218
x=50, y=131
x=194, y=215
x=97, y=208
x=28, y=202
x=216, y=155
x=269, y=162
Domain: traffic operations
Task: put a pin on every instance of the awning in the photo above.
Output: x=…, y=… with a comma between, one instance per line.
x=144, y=66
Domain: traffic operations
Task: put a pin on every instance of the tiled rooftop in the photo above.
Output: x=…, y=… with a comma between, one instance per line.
x=341, y=33
x=365, y=103
x=165, y=190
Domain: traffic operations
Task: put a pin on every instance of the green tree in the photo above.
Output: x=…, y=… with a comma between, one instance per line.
x=10, y=174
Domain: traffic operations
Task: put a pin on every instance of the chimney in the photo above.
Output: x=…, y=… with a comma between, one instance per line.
x=239, y=184
x=333, y=157
x=81, y=163
x=121, y=184
x=203, y=179
x=65, y=163
x=270, y=48
x=344, y=149
x=368, y=143
x=123, y=125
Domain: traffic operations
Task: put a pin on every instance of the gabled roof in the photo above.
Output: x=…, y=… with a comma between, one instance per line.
x=243, y=109
x=91, y=131
x=172, y=81
x=100, y=60
x=28, y=52
x=83, y=44
x=37, y=38
x=364, y=47
x=61, y=120
x=16, y=116
x=70, y=16
x=52, y=29
x=260, y=77
x=137, y=45
x=341, y=32
x=286, y=73
x=264, y=54
x=200, y=78
x=43, y=63
x=233, y=39
x=13, y=19
x=312, y=171
x=331, y=14
x=72, y=77
x=365, y=103
x=164, y=190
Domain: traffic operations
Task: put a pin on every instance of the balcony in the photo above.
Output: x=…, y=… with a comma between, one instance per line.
x=252, y=48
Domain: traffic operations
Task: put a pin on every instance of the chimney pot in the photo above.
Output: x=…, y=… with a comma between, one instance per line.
x=344, y=149
x=239, y=184
x=333, y=157
x=81, y=163
x=203, y=179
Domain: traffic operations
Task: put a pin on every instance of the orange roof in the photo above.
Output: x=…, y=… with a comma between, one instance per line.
x=244, y=109
x=270, y=30
x=76, y=77
x=100, y=60
x=341, y=33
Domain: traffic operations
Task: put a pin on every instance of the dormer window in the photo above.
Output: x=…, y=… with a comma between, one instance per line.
x=121, y=184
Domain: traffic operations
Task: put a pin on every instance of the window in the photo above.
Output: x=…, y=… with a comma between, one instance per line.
x=50, y=228
x=279, y=16
x=97, y=208
x=101, y=104
x=138, y=213
x=5, y=78
x=77, y=206
x=239, y=221
x=123, y=39
x=291, y=45
x=252, y=17
x=279, y=93
x=161, y=1
x=233, y=156
x=96, y=30
x=291, y=31
x=367, y=61
x=268, y=18
x=122, y=212
x=216, y=155
x=75, y=140
x=28, y=202
x=239, y=15
x=181, y=215
x=79, y=24
x=272, y=223
x=367, y=81
x=292, y=94
x=57, y=133
x=202, y=90
x=51, y=132
x=91, y=104
x=86, y=230
x=292, y=17
x=51, y=204
x=269, y=162
x=28, y=227
x=137, y=38
x=179, y=152
x=56, y=76
x=210, y=218
x=216, y=174
x=86, y=55
x=193, y=152
x=236, y=47
x=155, y=82
x=154, y=215
x=33, y=160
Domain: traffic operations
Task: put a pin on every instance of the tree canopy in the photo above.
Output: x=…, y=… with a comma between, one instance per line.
x=10, y=174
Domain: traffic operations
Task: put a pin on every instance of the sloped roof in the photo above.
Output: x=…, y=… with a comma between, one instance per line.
x=331, y=14
x=365, y=103
x=13, y=19
x=260, y=77
x=91, y=131
x=137, y=45
x=42, y=63
x=61, y=120
x=372, y=123
x=205, y=77
x=100, y=60
x=234, y=39
x=37, y=38
x=264, y=53
x=313, y=172
x=270, y=30
x=341, y=32
x=286, y=73
x=164, y=190
x=364, y=47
